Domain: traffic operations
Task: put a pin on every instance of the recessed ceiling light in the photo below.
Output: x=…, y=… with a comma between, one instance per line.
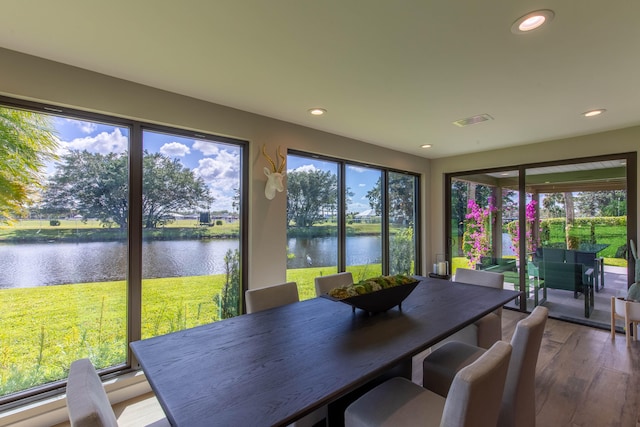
x=426, y=146
x=317, y=111
x=531, y=21
x=593, y=113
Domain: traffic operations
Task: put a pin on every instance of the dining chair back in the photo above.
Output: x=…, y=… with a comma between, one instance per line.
x=87, y=402
x=629, y=313
x=271, y=296
x=474, y=399
x=487, y=330
x=325, y=283
x=518, y=401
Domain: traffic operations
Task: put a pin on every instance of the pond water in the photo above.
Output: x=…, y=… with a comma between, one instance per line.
x=322, y=251
x=43, y=264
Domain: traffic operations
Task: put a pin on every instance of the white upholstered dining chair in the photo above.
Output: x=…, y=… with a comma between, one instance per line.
x=629, y=313
x=518, y=401
x=487, y=330
x=473, y=401
x=325, y=283
x=87, y=401
x=271, y=296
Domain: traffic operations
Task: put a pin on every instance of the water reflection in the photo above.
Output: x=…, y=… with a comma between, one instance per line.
x=42, y=264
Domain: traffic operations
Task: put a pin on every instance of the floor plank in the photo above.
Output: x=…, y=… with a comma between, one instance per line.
x=583, y=377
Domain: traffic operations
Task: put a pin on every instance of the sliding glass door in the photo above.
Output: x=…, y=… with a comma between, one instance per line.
x=558, y=231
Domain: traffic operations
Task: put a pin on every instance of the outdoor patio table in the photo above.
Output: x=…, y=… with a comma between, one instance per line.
x=275, y=366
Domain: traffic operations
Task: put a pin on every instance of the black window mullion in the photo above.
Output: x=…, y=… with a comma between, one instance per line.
x=384, y=219
x=134, y=253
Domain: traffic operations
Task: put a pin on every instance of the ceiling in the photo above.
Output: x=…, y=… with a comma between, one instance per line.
x=391, y=73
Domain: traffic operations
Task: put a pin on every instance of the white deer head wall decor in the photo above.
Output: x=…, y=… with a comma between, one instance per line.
x=274, y=176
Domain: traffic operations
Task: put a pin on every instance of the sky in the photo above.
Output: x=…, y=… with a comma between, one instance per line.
x=218, y=164
x=359, y=180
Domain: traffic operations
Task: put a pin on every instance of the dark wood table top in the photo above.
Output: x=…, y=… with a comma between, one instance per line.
x=272, y=367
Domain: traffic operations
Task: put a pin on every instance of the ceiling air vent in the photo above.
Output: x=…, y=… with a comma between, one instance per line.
x=472, y=120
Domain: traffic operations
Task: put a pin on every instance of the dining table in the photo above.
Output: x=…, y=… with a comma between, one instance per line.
x=273, y=367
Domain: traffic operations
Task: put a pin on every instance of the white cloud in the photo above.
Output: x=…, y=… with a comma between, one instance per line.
x=362, y=185
x=85, y=127
x=304, y=168
x=175, y=149
x=222, y=175
x=102, y=143
x=207, y=148
x=356, y=169
x=225, y=165
x=222, y=201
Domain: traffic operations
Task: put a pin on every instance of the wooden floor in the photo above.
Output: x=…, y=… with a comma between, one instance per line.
x=583, y=379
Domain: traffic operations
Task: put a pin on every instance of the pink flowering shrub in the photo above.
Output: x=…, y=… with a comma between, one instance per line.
x=476, y=241
x=514, y=230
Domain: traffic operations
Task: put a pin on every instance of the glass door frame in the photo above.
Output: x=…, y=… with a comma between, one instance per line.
x=632, y=211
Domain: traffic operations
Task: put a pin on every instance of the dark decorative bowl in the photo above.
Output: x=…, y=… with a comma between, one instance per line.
x=378, y=301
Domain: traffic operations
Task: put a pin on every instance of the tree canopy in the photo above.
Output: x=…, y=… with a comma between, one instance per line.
x=96, y=186
x=27, y=142
x=310, y=195
x=401, y=197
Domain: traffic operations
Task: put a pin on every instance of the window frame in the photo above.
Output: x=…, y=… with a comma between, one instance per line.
x=384, y=190
x=135, y=226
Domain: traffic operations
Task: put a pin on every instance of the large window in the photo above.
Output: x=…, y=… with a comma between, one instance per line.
x=97, y=213
x=312, y=221
x=343, y=216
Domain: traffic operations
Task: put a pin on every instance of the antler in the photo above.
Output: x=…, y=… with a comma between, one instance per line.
x=273, y=165
x=284, y=160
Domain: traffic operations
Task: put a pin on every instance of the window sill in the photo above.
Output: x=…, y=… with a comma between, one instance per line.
x=53, y=410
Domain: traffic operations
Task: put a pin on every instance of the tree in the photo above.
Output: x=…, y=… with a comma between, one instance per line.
x=602, y=203
x=309, y=194
x=169, y=187
x=570, y=219
x=96, y=186
x=553, y=205
x=91, y=184
x=401, y=196
x=27, y=142
x=402, y=252
x=229, y=297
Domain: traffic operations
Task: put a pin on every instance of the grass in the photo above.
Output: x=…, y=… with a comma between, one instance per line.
x=45, y=328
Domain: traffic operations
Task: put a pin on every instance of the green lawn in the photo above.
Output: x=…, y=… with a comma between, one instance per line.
x=45, y=328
